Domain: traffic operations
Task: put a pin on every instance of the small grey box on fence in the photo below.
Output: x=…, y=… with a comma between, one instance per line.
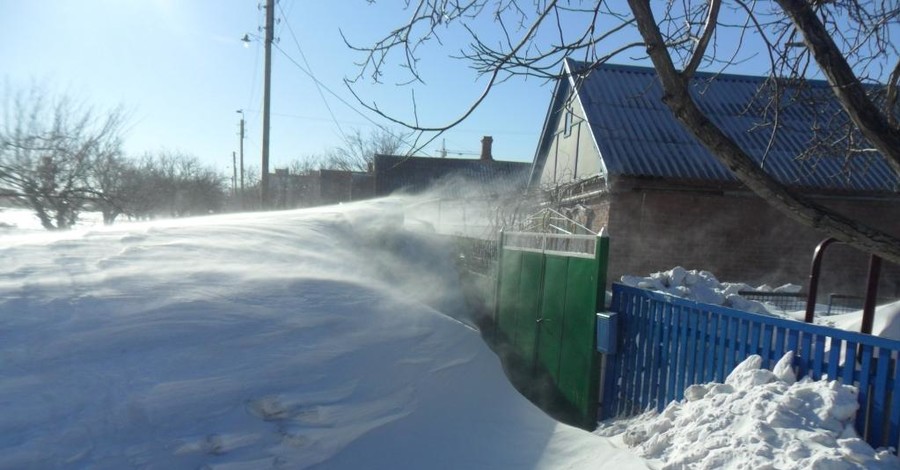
x=606, y=332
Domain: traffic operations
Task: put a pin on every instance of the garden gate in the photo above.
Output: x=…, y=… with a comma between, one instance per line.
x=549, y=290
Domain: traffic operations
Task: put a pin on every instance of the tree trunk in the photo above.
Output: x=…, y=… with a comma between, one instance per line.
x=844, y=83
x=677, y=97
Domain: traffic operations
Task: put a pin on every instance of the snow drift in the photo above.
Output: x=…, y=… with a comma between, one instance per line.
x=756, y=419
x=297, y=339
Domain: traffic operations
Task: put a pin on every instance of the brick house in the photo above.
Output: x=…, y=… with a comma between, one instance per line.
x=611, y=149
x=397, y=173
x=463, y=195
x=319, y=187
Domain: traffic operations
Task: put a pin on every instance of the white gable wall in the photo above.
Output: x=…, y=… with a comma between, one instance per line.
x=572, y=155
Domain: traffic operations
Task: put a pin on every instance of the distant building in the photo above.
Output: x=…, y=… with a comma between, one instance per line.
x=319, y=187
x=394, y=173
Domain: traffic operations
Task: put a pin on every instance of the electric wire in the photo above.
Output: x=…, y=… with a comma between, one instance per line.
x=315, y=81
x=250, y=98
x=321, y=86
x=341, y=99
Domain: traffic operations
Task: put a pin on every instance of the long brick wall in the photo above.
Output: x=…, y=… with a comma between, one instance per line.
x=736, y=236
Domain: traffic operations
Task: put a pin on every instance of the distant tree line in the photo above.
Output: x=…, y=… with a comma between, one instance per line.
x=60, y=157
x=355, y=153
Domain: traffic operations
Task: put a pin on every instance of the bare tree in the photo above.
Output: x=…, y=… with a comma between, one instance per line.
x=847, y=42
x=48, y=146
x=358, y=150
x=109, y=177
x=168, y=184
x=306, y=165
x=183, y=186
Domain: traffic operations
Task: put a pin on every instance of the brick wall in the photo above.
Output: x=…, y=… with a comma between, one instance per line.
x=738, y=237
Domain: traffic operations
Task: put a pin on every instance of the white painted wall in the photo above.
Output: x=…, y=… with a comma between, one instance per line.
x=573, y=155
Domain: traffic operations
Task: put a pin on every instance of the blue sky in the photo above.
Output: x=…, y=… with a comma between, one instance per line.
x=181, y=70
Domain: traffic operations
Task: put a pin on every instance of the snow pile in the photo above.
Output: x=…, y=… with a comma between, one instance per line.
x=756, y=419
x=885, y=323
x=321, y=338
x=703, y=287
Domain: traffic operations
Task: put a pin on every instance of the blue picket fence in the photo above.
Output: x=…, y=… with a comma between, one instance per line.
x=667, y=343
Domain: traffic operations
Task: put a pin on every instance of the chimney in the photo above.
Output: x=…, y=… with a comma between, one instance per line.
x=486, y=148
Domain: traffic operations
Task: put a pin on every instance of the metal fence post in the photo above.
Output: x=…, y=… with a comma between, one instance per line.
x=498, y=281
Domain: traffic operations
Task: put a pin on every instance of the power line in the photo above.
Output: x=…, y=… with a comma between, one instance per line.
x=315, y=81
x=253, y=80
x=339, y=98
x=321, y=86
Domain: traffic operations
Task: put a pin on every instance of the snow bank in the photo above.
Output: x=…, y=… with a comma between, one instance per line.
x=886, y=321
x=702, y=286
x=324, y=338
x=756, y=419
x=18, y=220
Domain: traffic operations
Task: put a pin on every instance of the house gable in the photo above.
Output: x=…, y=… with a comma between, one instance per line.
x=566, y=151
x=636, y=135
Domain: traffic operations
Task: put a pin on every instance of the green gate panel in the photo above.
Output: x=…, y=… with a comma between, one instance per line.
x=546, y=312
x=510, y=271
x=553, y=306
x=577, y=350
x=529, y=306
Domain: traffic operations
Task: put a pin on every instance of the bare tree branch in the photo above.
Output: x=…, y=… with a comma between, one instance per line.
x=844, y=83
x=708, y=29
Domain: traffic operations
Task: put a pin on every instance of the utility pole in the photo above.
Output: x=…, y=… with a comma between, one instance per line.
x=241, y=112
x=270, y=27
x=234, y=174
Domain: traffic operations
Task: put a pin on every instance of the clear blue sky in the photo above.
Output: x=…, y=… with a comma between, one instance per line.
x=180, y=68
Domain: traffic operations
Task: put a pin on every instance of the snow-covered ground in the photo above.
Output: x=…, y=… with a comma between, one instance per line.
x=321, y=338
x=18, y=220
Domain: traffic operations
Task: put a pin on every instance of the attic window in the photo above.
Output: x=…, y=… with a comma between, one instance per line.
x=567, y=129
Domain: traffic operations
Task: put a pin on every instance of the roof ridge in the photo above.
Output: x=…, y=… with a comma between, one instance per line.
x=576, y=65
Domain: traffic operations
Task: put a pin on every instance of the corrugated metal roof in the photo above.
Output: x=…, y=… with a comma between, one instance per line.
x=637, y=135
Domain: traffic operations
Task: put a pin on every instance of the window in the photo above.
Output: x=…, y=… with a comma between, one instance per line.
x=567, y=130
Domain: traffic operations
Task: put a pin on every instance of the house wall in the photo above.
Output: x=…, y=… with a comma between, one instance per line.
x=335, y=186
x=572, y=155
x=319, y=188
x=739, y=238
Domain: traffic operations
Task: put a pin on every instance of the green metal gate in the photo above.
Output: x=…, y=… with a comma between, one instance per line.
x=549, y=289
